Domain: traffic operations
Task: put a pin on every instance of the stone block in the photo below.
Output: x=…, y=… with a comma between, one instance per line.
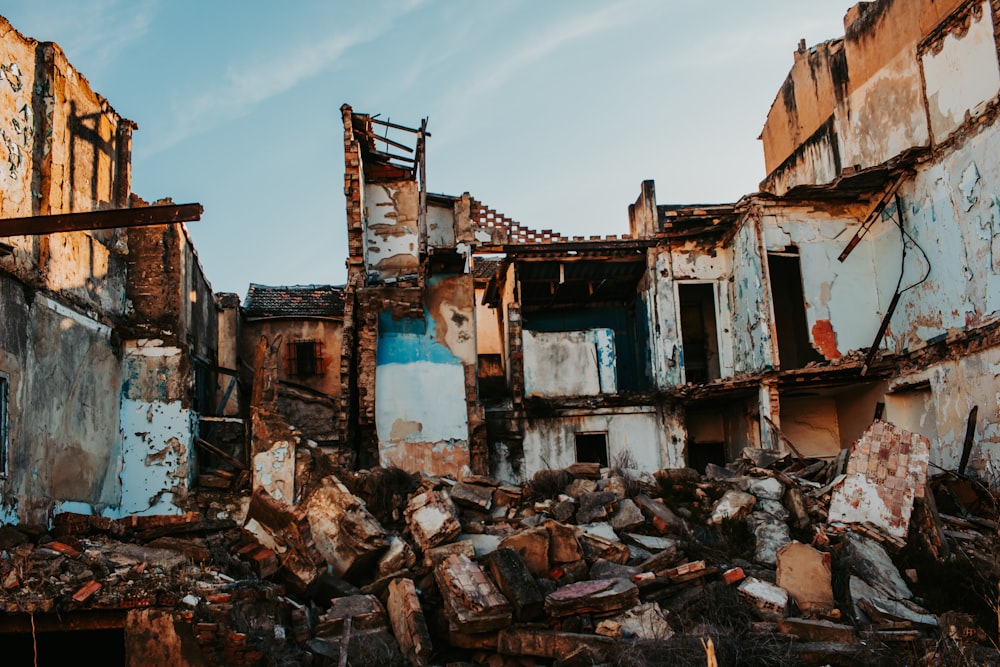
x=805, y=573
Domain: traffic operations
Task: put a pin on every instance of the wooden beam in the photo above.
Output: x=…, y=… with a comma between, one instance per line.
x=122, y=217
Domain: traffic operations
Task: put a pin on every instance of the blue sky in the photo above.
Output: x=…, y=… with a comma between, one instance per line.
x=552, y=112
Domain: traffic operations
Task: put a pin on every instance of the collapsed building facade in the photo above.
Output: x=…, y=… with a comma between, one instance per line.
x=857, y=283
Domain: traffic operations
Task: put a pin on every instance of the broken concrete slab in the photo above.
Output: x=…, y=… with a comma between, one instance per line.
x=662, y=517
x=733, y=505
x=398, y=556
x=600, y=596
x=533, y=547
x=563, y=544
x=595, y=506
x=872, y=605
x=868, y=559
x=595, y=546
x=408, y=623
x=475, y=496
x=627, y=517
x=473, y=603
x=516, y=583
x=805, y=573
x=349, y=538
x=764, y=488
x=431, y=518
x=771, y=535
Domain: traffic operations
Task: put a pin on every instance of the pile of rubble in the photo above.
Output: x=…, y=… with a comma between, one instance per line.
x=771, y=560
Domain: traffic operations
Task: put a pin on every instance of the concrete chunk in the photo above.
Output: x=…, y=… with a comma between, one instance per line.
x=593, y=596
x=532, y=546
x=805, y=574
x=732, y=505
x=408, y=623
x=516, y=583
x=431, y=519
x=472, y=602
x=346, y=534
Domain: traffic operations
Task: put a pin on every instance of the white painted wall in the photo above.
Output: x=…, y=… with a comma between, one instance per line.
x=551, y=443
x=569, y=363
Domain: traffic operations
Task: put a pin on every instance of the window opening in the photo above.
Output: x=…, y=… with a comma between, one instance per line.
x=592, y=448
x=305, y=358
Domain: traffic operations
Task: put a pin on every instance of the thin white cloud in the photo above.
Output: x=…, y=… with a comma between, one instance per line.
x=251, y=83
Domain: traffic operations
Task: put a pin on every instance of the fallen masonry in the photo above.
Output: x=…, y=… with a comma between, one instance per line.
x=498, y=580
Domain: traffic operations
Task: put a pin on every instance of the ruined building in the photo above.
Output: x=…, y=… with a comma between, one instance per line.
x=108, y=329
x=209, y=481
x=859, y=282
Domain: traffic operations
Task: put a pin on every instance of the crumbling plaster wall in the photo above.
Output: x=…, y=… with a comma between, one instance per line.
x=62, y=149
x=550, y=442
x=570, y=363
x=314, y=414
x=752, y=335
x=392, y=241
x=844, y=302
x=887, y=87
x=64, y=444
x=420, y=429
x=956, y=385
x=695, y=262
x=157, y=424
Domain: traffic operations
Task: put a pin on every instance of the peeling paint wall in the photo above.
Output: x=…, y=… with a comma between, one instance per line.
x=392, y=242
x=62, y=149
x=157, y=428
x=420, y=429
x=967, y=46
x=551, y=442
x=886, y=87
x=752, y=337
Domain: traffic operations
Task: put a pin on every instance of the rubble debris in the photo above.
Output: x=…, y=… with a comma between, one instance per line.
x=537, y=588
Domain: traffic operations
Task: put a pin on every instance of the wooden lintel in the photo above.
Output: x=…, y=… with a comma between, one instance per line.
x=122, y=217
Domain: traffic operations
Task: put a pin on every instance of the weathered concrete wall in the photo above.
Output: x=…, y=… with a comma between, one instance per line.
x=64, y=371
x=328, y=332
x=811, y=424
x=570, y=363
x=888, y=86
x=62, y=149
x=966, y=45
x=941, y=412
x=420, y=429
x=551, y=443
x=392, y=242
x=157, y=426
x=697, y=263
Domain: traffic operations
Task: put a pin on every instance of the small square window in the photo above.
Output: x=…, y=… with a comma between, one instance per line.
x=592, y=448
x=305, y=358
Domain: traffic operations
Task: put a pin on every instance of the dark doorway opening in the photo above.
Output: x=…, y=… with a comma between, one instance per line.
x=699, y=335
x=592, y=448
x=64, y=648
x=794, y=348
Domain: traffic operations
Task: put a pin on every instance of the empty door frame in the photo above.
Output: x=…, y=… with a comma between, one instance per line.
x=710, y=326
